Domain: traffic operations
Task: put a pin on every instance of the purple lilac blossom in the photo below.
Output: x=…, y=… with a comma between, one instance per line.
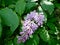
x=30, y=24
x=40, y=20
x=31, y=15
x=22, y=38
x=27, y=29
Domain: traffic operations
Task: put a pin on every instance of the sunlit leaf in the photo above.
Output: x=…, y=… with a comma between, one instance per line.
x=48, y=6
x=44, y=35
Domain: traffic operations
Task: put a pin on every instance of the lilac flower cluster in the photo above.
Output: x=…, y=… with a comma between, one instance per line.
x=30, y=24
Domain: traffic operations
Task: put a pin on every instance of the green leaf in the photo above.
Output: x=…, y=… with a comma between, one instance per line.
x=16, y=43
x=30, y=6
x=52, y=27
x=36, y=39
x=53, y=41
x=33, y=41
x=52, y=20
x=30, y=42
x=48, y=6
x=44, y=35
x=12, y=6
x=3, y=3
x=9, y=2
x=8, y=42
x=28, y=0
x=0, y=28
x=10, y=18
x=20, y=6
x=57, y=5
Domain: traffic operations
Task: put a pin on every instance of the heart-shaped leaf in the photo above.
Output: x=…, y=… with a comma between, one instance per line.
x=10, y=18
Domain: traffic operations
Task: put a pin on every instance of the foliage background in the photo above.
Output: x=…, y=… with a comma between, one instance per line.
x=11, y=13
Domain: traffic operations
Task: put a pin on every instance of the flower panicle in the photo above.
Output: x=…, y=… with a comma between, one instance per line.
x=31, y=22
